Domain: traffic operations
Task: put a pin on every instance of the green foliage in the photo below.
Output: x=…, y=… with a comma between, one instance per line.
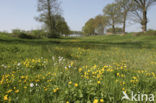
x=117, y=30
x=148, y=33
x=61, y=26
x=113, y=13
x=95, y=26
x=22, y=34
x=87, y=69
x=38, y=33
x=89, y=28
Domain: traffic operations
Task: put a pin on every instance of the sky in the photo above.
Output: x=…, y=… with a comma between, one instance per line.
x=20, y=14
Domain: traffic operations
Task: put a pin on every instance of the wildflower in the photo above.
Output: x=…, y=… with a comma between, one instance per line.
x=9, y=91
x=36, y=84
x=76, y=85
x=55, y=90
x=118, y=74
x=31, y=85
x=123, y=89
x=67, y=102
x=17, y=91
x=5, y=97
x=45, y=89
x=95, y=101
x=18, y=64
x=101, y=100
x=72, y=63
x=98, y=82
x=70, y=82
x=80, y=69
x=25, y=87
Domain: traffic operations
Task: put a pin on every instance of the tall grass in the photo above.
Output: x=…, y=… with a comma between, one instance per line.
x=81, y=70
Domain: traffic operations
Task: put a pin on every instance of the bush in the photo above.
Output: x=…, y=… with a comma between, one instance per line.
x=38, y=33
x=117, y=30
x=22, y=34
x=149, y=32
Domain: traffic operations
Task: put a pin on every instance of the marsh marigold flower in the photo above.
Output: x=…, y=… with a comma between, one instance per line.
x=5, y=97
x=17, y=91
x=101, y=100
x=95, y=101
x=76, y=85
x=98, y=82
x=70, y=82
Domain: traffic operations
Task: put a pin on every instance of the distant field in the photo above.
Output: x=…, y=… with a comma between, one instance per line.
x=82, y=70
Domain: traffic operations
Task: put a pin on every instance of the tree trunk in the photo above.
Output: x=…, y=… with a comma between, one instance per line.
x=50, y=18
x=124, y=23
x=144, y=21
x=113, y=29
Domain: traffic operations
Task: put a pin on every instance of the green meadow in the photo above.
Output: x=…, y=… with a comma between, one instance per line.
x=95, y=69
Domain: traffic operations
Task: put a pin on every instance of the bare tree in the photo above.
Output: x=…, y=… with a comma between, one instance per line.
x=140, y=12
x=48, y=10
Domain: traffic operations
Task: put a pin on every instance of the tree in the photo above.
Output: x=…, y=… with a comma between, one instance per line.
x=48, y=9
x=113, y=13
x=100, y=23
x=61, y=25
x=117, y=30
x=126, y=6
x=140, y=12
x=89, y=27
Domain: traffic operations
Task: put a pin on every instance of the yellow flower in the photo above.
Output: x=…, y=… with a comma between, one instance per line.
x=123, y=89
x=80, y=69
x=98, y=82
x=76, y=85
x=72, y=63
x=118, y=74
x=101, y=100
x=45, y=89
x=134, y=77
x=70, y=82
x=5, y=97
x=9, y=91
x=67, y=102
x=95, y=101
x=25, y=87
x=17, y=91
x=55, y=90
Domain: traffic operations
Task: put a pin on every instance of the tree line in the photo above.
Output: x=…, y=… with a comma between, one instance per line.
x=117, y=14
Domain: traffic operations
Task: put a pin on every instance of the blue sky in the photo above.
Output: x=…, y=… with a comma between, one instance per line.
x=20, y=14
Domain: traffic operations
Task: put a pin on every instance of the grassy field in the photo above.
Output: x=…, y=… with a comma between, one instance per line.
x=92, y=69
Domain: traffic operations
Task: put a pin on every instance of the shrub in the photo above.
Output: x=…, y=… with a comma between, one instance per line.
x=38, y=33
x=22, y=34
x=149, y=32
